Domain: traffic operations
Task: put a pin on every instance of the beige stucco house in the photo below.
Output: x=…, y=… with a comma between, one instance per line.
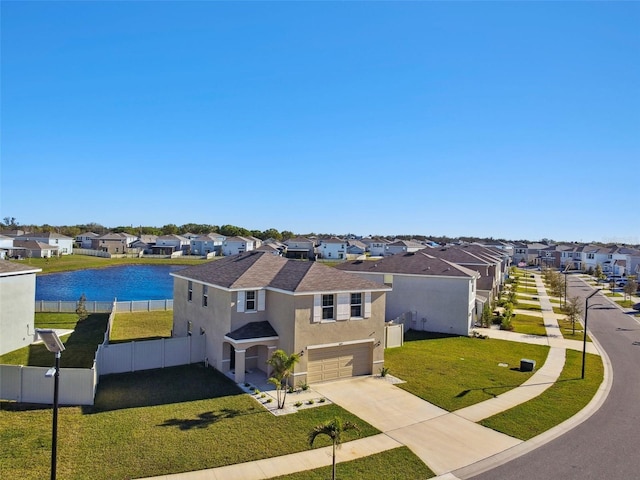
x=17, y=305
x=250, y=304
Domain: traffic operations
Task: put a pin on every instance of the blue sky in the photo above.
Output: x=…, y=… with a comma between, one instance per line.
x=517, y=120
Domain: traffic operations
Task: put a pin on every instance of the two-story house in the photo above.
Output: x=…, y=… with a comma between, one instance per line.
x=333, y=248
x=63, y=244
x=236, y=245
x=207, y=244
x=376, y=246
x=116, y=243
x=85, y=240
x=402, y=246
x=251, y=304
x=301, y=248
x=168, y=244
x=439, y=295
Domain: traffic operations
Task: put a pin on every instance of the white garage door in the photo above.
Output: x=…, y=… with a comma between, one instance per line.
x=332, y=363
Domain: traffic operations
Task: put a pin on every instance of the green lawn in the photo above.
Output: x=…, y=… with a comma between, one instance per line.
x=455, y=372
x=80, y=346
x=397, y=464
x=528, y=324
x=156, y=422
x=561, y=401
x=141, y=326
x=528, y=306
x=567, y=330
x=626, y=303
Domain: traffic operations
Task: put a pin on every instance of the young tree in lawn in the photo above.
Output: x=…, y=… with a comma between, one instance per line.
x=631, y=287
x=81, y=308
x=598, y=272
x=333, y=429
x=282, y=364
x=573, y=311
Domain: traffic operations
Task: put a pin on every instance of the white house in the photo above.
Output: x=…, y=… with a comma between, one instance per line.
x=376, y=246
x=206, y=244
x=17, y=305
x=440, y=296
x=402, y=246
x=333, y=248
x=235, y=245
x=6, y=244
x=85, y=240
x=171, y=243
x=63, y=243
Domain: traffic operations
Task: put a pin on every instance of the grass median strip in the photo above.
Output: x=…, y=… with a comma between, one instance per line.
x=397, y=464
x=562, y=400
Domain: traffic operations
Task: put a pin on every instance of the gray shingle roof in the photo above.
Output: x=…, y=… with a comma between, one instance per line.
x=259, y=269
x=253, y=330
x=9, y=268
x=418, y=263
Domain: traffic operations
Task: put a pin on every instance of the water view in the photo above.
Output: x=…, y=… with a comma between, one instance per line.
x=126, y=283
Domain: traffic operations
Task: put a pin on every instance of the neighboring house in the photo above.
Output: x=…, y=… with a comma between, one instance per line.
x=6, y=245
x=356, y=247
x=402, y=246
x=63, y=243
x=85, y=240
x=167, y=244
x=235, y=245
x=270, y=248
x=33, y=249
x=116, y=243
x=205, y=244
x=17, y=305
x=527, y=253
x=257, y=243
x=273, y=246
x=440, y=295
x=251, y=304
x=301, y=248
x=376, y=246
x=489, y=263
x=333, y=248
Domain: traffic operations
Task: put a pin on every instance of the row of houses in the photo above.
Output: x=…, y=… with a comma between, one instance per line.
x=615, y=260
x=251, y=303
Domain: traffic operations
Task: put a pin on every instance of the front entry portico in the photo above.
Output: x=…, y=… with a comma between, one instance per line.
x=251, y=346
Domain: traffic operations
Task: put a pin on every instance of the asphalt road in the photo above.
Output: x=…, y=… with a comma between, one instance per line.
x=607, y=444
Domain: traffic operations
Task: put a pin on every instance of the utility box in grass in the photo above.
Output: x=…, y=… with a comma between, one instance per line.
x=527, y=365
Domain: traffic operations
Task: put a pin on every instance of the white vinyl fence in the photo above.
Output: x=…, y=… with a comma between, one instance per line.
x=60, y=306
x=149, y=354
x=77, y=385
x=30, y=385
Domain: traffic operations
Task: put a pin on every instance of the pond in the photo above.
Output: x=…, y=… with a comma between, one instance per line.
x=124, y=282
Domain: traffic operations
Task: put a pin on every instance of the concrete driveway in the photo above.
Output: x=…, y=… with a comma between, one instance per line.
x=444, y=441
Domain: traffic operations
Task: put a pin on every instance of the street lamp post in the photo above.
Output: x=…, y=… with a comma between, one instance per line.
x=584, y=337
x=53, y=344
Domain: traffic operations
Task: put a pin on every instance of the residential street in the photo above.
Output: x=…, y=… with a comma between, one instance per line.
x=605, y=445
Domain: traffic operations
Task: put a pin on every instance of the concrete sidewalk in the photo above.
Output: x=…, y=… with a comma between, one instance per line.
x=450, y=443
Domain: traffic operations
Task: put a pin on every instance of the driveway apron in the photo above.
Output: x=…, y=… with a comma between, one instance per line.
x=444, y=441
